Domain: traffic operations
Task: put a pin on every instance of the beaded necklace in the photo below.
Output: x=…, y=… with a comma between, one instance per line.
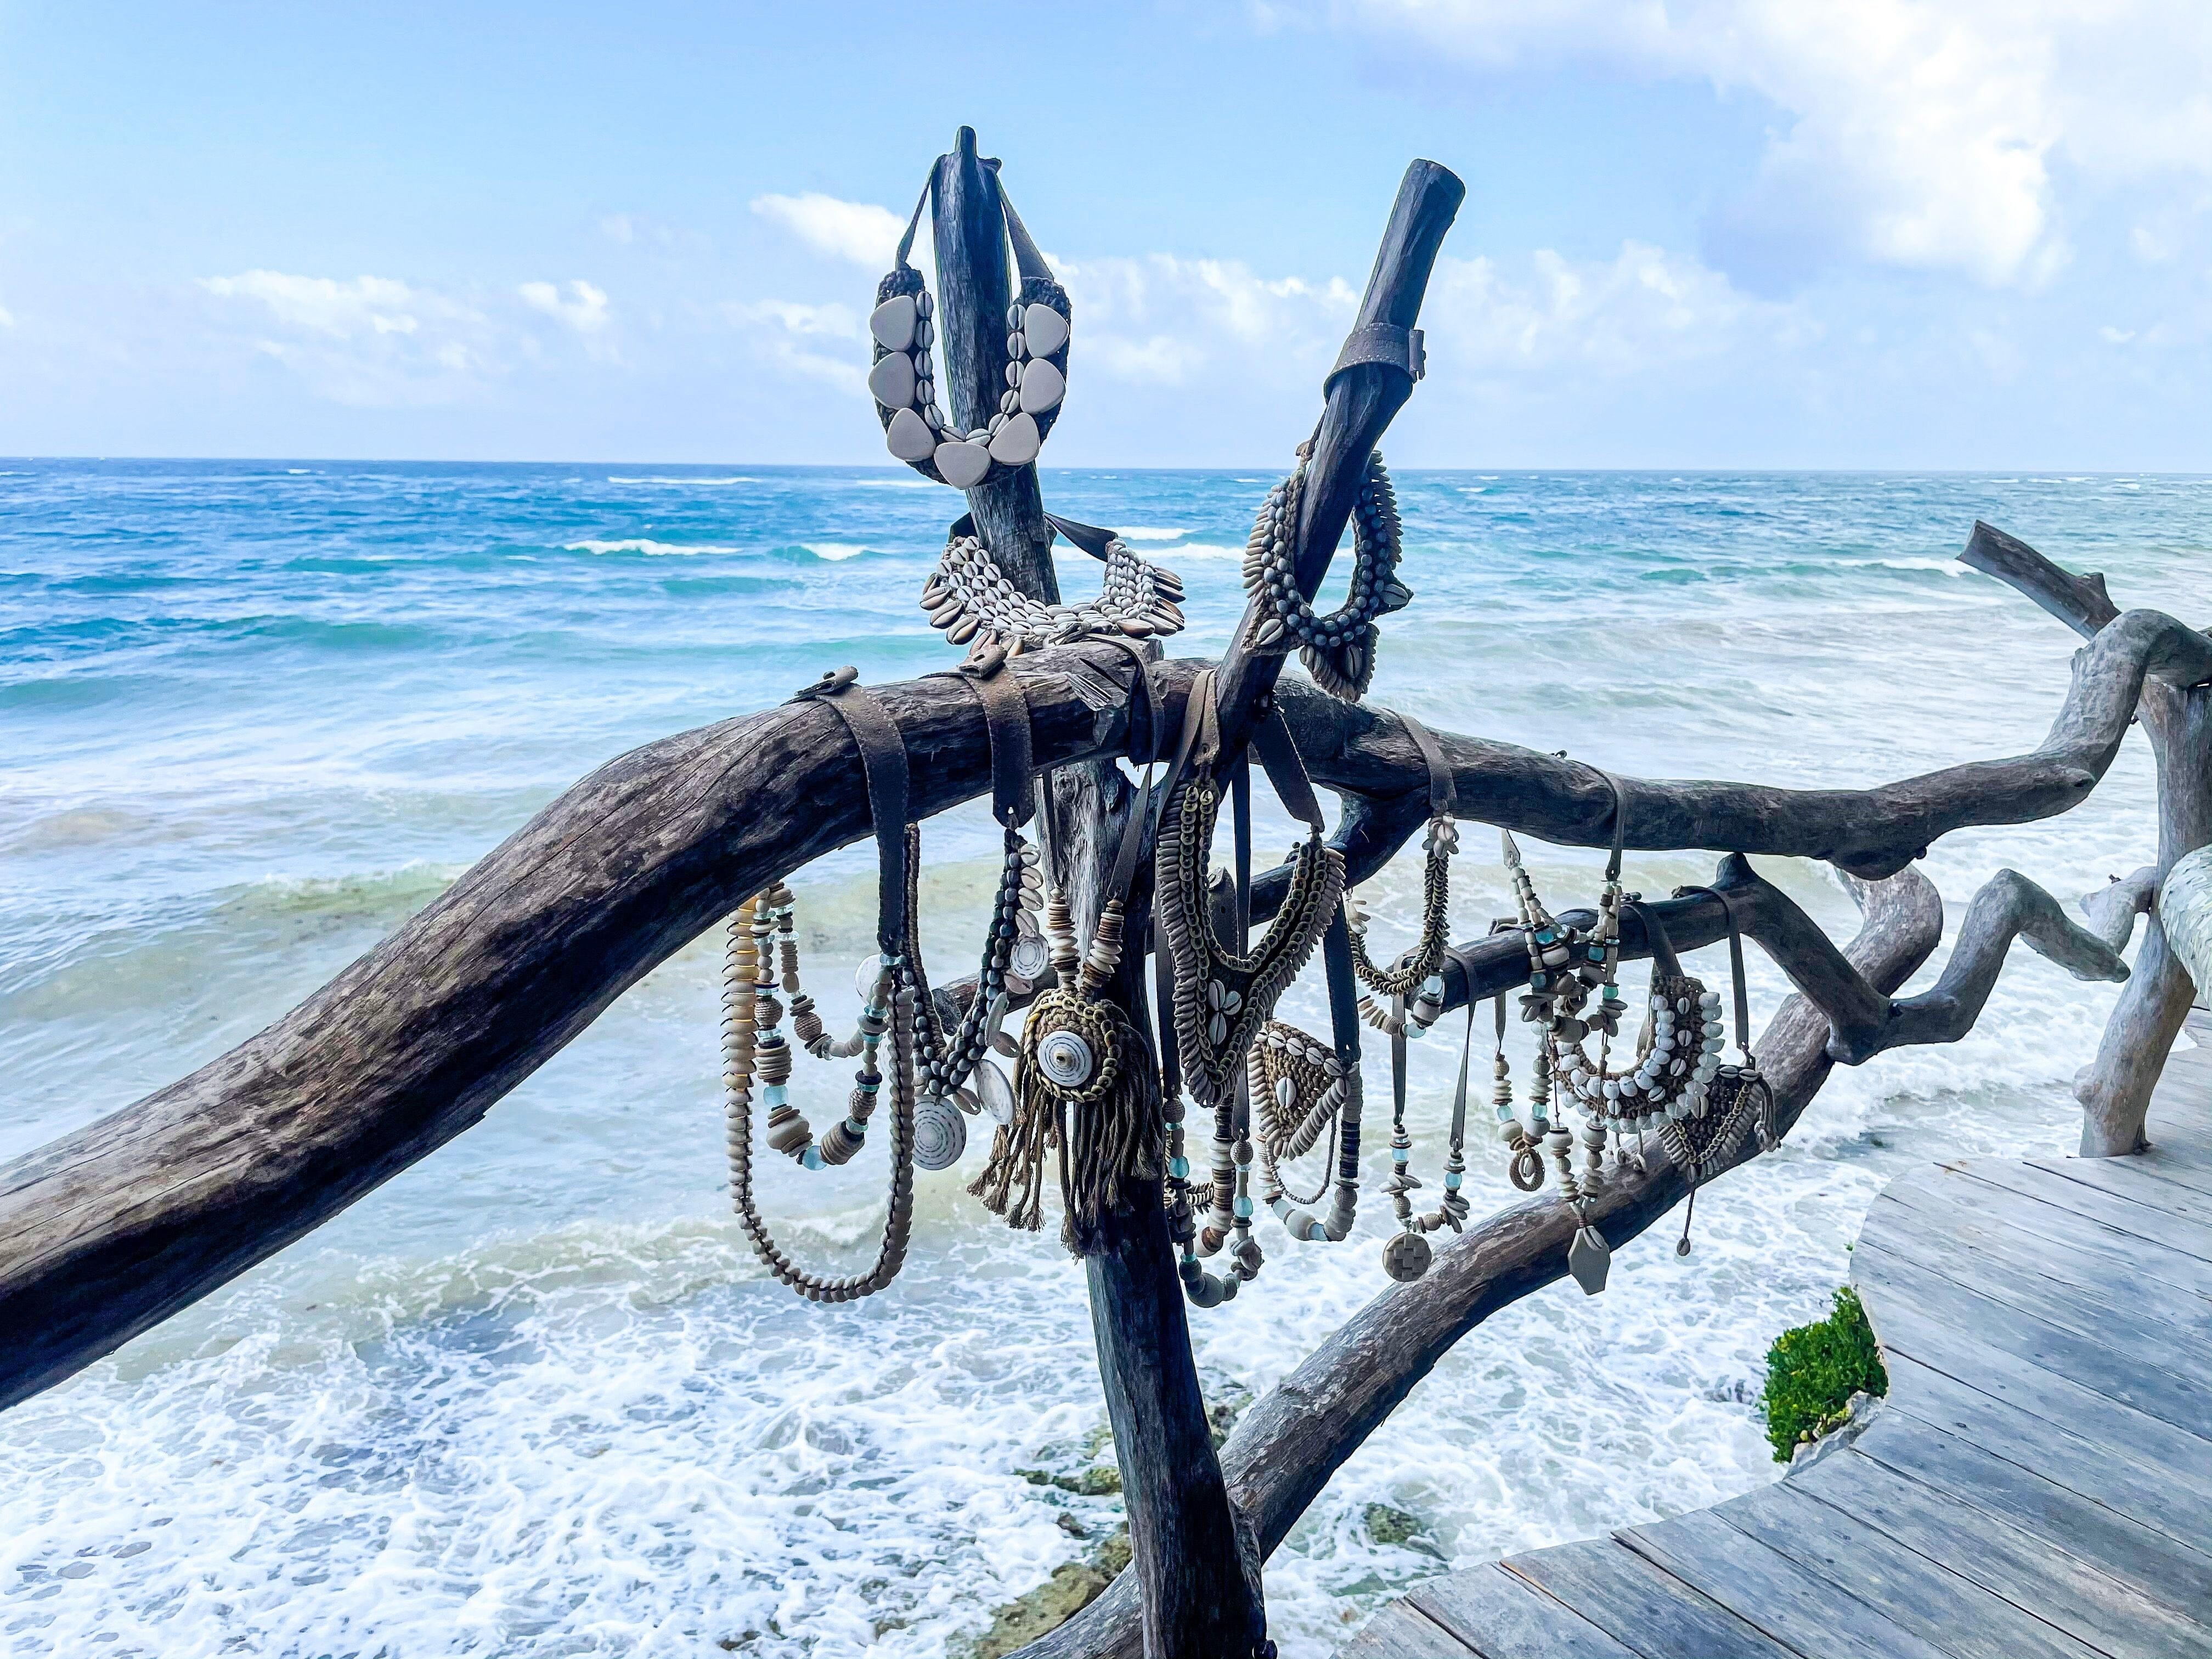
x=1338, y=649
x=903, y=381
x=754, y=1048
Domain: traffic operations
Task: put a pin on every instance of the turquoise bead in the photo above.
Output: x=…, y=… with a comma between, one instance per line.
x=1245, y=1207
x=1451, y=1180
x=1178, y=1168
x=775, y=1094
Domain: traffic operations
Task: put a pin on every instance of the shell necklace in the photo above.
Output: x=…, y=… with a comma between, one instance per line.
x=971, y=599
x=903, y=380
x=1339, y=649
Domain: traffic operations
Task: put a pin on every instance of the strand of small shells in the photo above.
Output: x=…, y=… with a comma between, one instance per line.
x=904, y=382
x=1299, y=1089
x=753, y=1049
x=972, y=600
x=1416, y=974
x=1338, y=649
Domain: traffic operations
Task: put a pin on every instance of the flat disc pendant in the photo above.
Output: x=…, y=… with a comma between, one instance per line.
x=941, y=1134
x=1405, y=1257
x=996, y=1094
x=1589, y=1259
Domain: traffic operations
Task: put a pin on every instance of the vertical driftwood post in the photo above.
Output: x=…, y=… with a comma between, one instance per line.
x=1201, y=1584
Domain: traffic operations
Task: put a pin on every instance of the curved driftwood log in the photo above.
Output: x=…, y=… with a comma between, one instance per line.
x=114, y=1227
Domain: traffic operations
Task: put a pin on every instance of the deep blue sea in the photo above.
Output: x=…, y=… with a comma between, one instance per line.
x=534, y=1396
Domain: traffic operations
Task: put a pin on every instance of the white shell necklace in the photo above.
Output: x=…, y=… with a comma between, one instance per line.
x=903, y=380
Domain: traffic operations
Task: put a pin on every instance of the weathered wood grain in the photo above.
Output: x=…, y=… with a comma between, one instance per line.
x=1798, y=1608
x=1640, y=1605
x=1503, y=1616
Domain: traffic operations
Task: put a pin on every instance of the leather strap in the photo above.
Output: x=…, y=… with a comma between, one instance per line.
x=1398, y=1064
x=1742, y=1009
x=1271, y=738
x=1344, y=1029
x=1459, y=1094
x=1029, y=263
x=1088, y=536
x=1619, y=824
x=1443, y=789
x=1007, y=713
x=1654, y=936
x=884, y=759
x=1401, y=348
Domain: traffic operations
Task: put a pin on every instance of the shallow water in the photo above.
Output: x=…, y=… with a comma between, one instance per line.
x=532, y=1396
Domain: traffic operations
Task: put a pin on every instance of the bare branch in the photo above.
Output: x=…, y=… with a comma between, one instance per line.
x=2113, y=909
x=2080, y=602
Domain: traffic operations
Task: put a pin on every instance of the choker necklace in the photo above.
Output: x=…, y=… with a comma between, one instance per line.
x=969, y=597
x=903, y=381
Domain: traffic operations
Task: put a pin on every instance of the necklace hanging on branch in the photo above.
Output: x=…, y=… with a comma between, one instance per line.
x=1085, y=1086
x=1012, y=942
x=1415, y=975
x=1298, y=1087
x=1736, y=1103
x=971, y=599
x=1222, y=997
x=888, y=1010
x=1338, y=649
x=1407, y=1256
x=903, y=380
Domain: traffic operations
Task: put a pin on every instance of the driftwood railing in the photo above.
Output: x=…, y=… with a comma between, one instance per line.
x=111, y=1228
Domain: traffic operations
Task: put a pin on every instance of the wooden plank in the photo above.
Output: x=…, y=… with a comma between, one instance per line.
x=2120, y=1470
x=2017, y=1380
x=1927, y=1598
x=2027, y=1572
x=1994, y=1249
x=2162, y=1232
x=1398, y=1631
x=1999, y=1321
x=1646, y=1609
x=1794, y=1606
x=2135, y=1180
x=2026, y=1496
x=1501, y=1616
x=2085, y=1255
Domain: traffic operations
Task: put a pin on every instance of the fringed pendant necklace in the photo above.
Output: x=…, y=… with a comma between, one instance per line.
x=1085, y=1085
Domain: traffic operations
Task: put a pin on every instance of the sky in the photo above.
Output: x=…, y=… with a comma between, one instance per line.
x=1724, y=234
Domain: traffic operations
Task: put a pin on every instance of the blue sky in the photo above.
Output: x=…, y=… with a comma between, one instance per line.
x=1914, y=234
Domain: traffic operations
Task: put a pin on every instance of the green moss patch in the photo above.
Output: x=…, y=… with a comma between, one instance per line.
x=1813, y=1371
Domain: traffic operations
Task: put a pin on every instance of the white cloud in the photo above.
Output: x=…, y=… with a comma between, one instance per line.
x=858, y=231
x=1920, y=133
x=585, y=310
x=322, y=305
x=7, y=317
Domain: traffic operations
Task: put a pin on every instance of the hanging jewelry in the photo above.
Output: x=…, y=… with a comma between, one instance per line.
x=1222, y=998
x=888, y=1008
x=1415, y=975
x=969, y=597
x=904, y=382
x=1739, y=1101
x=1338, y=649
x=1085, y=1085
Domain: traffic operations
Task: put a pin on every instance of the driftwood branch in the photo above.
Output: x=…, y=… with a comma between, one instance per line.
x=1285, y=1447
x=2114, y=908
x=113, y=1228
x=2175, y=710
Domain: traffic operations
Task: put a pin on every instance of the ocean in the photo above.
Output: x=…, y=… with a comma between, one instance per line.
x=534, y=1397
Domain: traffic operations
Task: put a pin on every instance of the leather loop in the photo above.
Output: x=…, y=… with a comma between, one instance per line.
x=1386, y=343
x=1654, y=938
x=883, y=760
x=1443, y=790
x=1343, y=994
x=1279, y=753
x=1007, y=713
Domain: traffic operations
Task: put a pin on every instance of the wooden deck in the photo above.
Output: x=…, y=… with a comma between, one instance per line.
x=2039, y=1483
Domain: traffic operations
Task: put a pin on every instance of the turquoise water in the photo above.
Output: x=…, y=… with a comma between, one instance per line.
x=531, y=1397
